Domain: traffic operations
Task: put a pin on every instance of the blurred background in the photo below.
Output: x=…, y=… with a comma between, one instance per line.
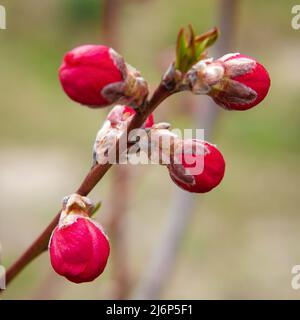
x=239, y=241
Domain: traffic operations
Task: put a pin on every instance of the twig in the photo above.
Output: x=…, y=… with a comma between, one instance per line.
x=92, y=178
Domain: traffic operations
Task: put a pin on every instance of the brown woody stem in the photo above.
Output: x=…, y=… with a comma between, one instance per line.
x=92, y=178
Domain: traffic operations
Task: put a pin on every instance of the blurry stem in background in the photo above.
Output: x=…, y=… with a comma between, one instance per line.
x=119, y=194
x=183, y=203
x=119, y=200
x=110, y=22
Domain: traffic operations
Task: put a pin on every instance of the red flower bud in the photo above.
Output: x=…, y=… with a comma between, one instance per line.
x=245, y=84
x=120, y=114
x=235, y=81
x=198, y=167
x=78, y=247
x=112, y=129
x=96, y=76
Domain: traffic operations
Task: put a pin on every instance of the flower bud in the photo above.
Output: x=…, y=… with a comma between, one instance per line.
x=123, y=114
x=159, y=144
x=198, y=166
x=97, y=76
x=235, y=81
x=116, y=123
x=78, y=247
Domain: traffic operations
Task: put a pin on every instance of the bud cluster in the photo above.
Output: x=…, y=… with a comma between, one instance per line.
x=97, y=76
x=234, y=81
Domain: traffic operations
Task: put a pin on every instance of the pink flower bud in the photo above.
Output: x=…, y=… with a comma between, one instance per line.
x=245, y=84
x=78, y=247
x=115, y=125
x=235, y=81
x=97, y=76
x=198, y=166
x=120, y=114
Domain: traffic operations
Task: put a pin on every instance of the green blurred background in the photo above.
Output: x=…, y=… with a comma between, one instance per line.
x=244, y=236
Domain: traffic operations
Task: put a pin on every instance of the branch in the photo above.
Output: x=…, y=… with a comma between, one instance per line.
x=90, y=181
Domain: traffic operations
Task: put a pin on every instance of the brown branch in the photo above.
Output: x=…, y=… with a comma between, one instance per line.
x=92, y=178
x=111, y=22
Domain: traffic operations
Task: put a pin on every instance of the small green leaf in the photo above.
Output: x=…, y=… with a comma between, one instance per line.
x=190, y=48
x=96, y=208
x=191, y=42
x=205, y=40
x=180, y=48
